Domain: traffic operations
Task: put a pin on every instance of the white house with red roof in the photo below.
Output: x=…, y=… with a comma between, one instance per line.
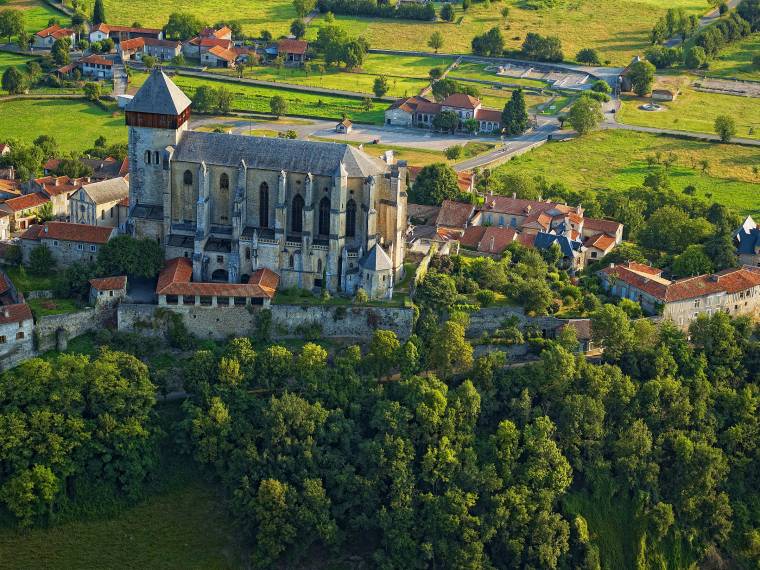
x=67, y=242
x=121, y=33
x=44, y=39
x=219, y=56
x=96, y=66
x=733, y=291
x=417, y=111
x=292, y=52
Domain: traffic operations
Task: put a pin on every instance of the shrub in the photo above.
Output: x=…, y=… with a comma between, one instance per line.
x=485, y=297
x=361, y=296
x=41, y=261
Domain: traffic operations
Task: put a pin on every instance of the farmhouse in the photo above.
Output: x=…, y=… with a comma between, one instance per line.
x=100, y=203
x=207, y=39
x=292, y=52
x=734, y=291
x=162, y=50
x=96, y=66
x=16, y=325
x=420, y=112
x=344, y=127
x=218, y=56
x=44, y=39
x=107, y=290
x=121, y=33
x=22, y=211
x=67, y=242
x=57, y=189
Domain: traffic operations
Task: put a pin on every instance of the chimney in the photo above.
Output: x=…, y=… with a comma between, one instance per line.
x=514, y=195
x=612, y=266
x=492, y=244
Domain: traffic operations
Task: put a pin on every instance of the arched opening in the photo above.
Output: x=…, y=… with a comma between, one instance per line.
x=264, y=205
x=351, y=219
x=147, y=157
x=224, y=182
x=296, y=214
x=220, y=275
x=247, y=253
x=290, y=262
x=324, y=216
x=187, y=178
x=155, y=157
x=319, y=266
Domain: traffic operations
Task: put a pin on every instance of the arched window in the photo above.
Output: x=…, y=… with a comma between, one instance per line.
x=296, y=214
x=263, y=205
x=248, y=253
x=187, y=178
x=224, y=182
x=290, y=262
x=324, y=216
x=319, y=266
x=155, y=157
x=147, y=157
x=351, y=219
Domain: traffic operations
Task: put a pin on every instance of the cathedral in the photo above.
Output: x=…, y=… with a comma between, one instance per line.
x=318, y=214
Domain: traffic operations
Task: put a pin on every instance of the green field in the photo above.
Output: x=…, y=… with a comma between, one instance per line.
x=695, y=111
x=255, y=98
x=736, y=60
x=619, y=30
x=36, y=14
x=11, y=59
x=75, y=124
x=617, y=159
x=471, y=70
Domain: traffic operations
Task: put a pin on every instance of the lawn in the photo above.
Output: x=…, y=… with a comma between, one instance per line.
x=254, y=15
x=24, y=281
x=695, y=111
x=36, y=14
x=497, y=98
x=736, y=60
x=255, y=98
x=75, y=124
x=11, y=59
x=478, y=71
x=46, y=307
x=617, y=159
x=619, y=30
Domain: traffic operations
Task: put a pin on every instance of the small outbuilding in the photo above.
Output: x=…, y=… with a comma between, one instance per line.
x=107, y=290
x=344, y=127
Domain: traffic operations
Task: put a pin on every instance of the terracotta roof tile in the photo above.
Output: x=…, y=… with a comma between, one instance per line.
x=607, y=226
x=95, y=59
x=461, y=101
x=109, y=283
x=472, y=236
x=496, y=240
x=67, y=231
x=292, y=46
x=26, y=201
x=174, y=279
x=222, y=53
x=454, y=214
x=15, y=313
x=493, y=115
x=600, y=241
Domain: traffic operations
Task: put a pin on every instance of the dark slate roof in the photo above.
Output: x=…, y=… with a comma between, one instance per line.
x=266, y=153
x=376, y=260
x=159, y=95
x=566, y=245
x=749, y=241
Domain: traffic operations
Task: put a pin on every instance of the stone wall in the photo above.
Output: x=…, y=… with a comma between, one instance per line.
x=54, y=331
x=288, y=321
x=488, y=319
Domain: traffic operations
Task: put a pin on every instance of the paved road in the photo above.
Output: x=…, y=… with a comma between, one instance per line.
x=684, y=134
x=705, y=20
x=510, y=148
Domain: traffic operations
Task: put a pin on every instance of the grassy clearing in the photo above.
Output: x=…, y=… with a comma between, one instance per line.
x=253, y=15
x=11, y=60
x=36, y=14
x=75, y=124
x=619, y=30
x=695, y=111
x=497, y=98
x=47, y=307
x=471, y=70
x=736, y=60
x=617, y=159
x=255, y=98
x=24, y=281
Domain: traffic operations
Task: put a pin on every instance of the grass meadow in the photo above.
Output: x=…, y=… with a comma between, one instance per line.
x=736, y=60
x=36, y=14
x=11, y=60
x=617, y=160
x=695, y=111
x=75, y=124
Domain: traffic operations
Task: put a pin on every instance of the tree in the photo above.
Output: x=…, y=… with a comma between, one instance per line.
x=265, y=35
x=278, y=105
x=542, y=48
x=30, y=493
x=60, y=51
x=182, y=26
x=98, y=13
x=13, y=81
x=149, y=61
x=589, y=56
x=446, y=121
x=224, y=98
x=304, y=7
x=447, y=12
x=721, y=251
x=11, y=22
x=725, y=127
x=641, y=75
x=298, y=28
x=92, y=91
x=434, y=184
x=436, y=290
x=505, y=14
x=435, y=74
x=23, y=40
x=450, y=352
x=585, y=115
x=41, y=261
x=435, y=41
x=205, y=99
x=383, y=355
x=695, y=57
x=380, y=86
x=125, y=255
x=693, y=261
x=611, y=328
x=514, y=117
x=489, y=44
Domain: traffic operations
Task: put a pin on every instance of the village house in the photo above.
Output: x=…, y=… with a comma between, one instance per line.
x=207, y=39
x=58, y=189
x=66, y=241
x=16, y=330
x=44, y=39
x=23, y=210
x=747, y=239
x=488, y=239
x=96, y=66
x=733, y=291
x=344, y=127
x=162, y=50
x=175, y=287
x=121, y=33
x=292, y=52
x=454, y=216
x=100, y=203
x=107, y=290
x=102, y=168
x=420, y=112
x=5, y=149
x=218, y=56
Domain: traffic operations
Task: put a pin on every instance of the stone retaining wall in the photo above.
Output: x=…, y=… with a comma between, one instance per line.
x=54, y=331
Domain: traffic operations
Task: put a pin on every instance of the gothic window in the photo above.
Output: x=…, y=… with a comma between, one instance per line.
x=187, y=178
x=319, y=265
x=147, y=157
x=296, y=214
x=324, y=216
x=290, y=262
x=263, y=205
x=351, y=219
x=248, y=253
x=155, y=157
x=224, y=182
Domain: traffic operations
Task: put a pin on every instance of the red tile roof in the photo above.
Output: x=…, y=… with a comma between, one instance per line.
x=600, y=241
x=134, y=43
x=454, y=214
x=461, y=101
x=428, y=108
x=472, y=236
x=95, y=59
x=526, y=239
x=67, y=231
x=15, y=313
x=109, y=283
x=174, y=279
x=26, y=201
x=55, y=30
x=607, y=226
x=493, y=115
x=215, y=42
x=465, y=180
x=496, y=240
x=516, y=206
x=57, y=185
x=292, y=46
x=108, y=28
x=221, y=53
